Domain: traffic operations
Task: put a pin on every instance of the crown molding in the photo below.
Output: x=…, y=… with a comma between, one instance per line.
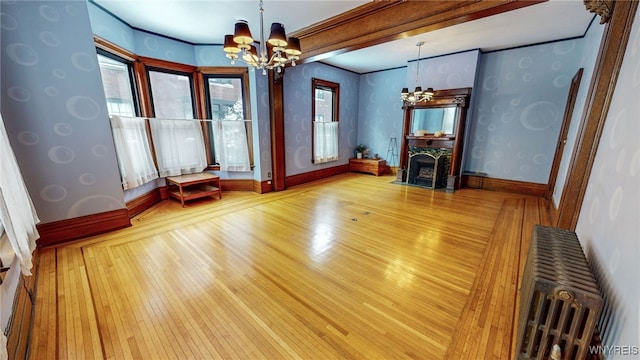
x=383, y=21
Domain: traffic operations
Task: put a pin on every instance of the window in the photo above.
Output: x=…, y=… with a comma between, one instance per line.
x=229, y=133
x=177, y=136
x=118, y=83
x=130, y=135
x=324, y=112
x=171, y=94
x=215, y=99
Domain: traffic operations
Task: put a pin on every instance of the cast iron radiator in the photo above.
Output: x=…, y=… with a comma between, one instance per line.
x=560, y=302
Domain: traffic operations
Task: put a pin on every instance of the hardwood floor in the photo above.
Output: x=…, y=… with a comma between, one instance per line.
x=353, y=266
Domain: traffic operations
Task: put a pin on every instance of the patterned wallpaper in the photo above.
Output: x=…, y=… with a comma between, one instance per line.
x=380, y=112
x=609, y=221
x=519, y=103
x=110, y=28
x=262, y=137
x=58, y=125
x=444, y=72
x=297, y=115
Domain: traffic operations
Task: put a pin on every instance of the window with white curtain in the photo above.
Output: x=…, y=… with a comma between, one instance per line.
x=133, y=151
x=169, y=92
x=230, y=142
x=229, y=132
x=324, y=112
x=179, y=146
x=177, y=137
x=130, y=136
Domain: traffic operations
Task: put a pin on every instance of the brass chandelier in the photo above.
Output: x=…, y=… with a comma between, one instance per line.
x=417, y=96
x=275, y=53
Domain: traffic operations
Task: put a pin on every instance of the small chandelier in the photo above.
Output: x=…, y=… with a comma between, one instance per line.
x=275, y=53
x=411, y=98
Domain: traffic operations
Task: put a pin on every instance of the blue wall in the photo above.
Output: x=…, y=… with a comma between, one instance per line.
x=110, y=28
x=519, y=104
x=55, y=110
x=609, y=221
x=516, y=108
x=451, y=71
x=380, y=112
x=297, y=115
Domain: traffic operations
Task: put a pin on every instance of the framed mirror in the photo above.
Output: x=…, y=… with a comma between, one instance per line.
x=430, y=120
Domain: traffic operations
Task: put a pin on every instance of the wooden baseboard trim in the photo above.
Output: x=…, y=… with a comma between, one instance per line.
x=143, y=202
x=262, y=187
x=236, y=185
x=294, y=180
x=21, y=321
x=63, y=231
x=519, y=187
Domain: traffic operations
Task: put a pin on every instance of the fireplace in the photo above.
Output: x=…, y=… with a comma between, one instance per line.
x=421, y=123
x=424, y=170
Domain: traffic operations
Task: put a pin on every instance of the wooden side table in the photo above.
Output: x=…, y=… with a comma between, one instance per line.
x=193, y=186
x=371, y=166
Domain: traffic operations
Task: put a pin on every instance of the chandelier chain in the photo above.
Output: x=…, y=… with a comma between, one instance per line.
x=263, y=45
x=418, y=62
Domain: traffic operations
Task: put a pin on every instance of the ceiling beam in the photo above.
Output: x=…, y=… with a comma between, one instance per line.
x=383, y=21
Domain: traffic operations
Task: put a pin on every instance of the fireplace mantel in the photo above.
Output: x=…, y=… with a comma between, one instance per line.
x=430, y=141
x=452, y=140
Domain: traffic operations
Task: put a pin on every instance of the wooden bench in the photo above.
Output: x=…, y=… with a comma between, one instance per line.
x=193, y=186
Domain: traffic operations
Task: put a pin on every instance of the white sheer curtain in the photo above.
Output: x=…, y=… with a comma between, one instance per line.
x=179, y=146
x=325, y=141
x=134, y=153
x=230, y=145
x=17, y=213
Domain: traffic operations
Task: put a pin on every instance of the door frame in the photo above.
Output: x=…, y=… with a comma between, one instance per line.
x=564, y=130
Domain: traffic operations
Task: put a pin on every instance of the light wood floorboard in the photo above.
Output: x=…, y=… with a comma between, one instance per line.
x=350, y=267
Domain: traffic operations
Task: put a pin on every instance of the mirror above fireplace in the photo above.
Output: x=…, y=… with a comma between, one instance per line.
x=430, y=120
x=437, y=124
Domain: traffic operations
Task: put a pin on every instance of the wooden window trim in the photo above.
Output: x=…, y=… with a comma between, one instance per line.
x=335, y=87
x=242, y=72
x=149, y=64
x=141, y=64
x=114, y=49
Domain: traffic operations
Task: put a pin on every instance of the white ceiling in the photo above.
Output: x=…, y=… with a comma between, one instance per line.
x=206, y=22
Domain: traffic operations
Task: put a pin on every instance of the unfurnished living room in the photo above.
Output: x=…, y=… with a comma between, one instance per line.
x=319, y=179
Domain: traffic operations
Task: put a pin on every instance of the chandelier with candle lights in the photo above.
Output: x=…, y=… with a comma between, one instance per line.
x=275, y=53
